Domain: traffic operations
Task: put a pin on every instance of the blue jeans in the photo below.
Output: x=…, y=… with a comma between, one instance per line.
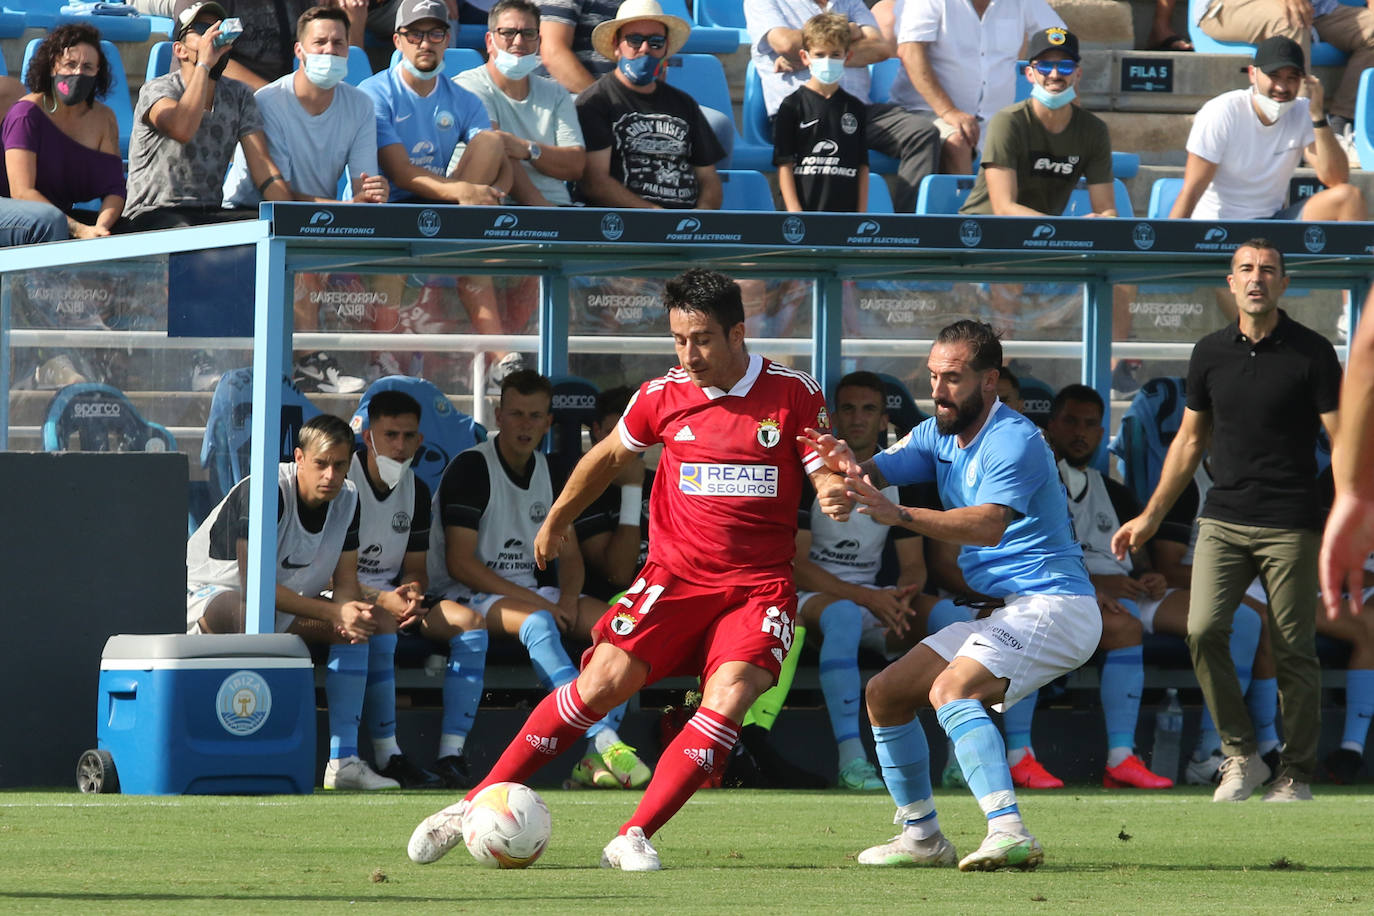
x=26, y=222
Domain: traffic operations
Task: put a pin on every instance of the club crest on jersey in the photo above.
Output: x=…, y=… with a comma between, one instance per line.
x=538, y=512
x=971, y=473
x=769, y=433
x=822, y=419
x=622, y=624
x=400, y=522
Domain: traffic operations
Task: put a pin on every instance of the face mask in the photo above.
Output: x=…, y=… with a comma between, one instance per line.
x=1271, y=109
x=1053, y=100
x=73, y=89
x=828, y=70
x=389, y=469
x=516, y=67
x=422, y=74
x=1075, y=481
x=641, y=71
x=325, y=70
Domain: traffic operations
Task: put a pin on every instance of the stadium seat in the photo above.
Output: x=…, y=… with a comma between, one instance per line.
x=754, y=147
x=704, y=39
x=470, y=35
x=159, y=61
x=703, y=78
x=226, y=449
x=725, y=14
x=1163, y=193
x=745, y=190
x=1147, y=428
x=1080, y=203
x=48, y=14
x=102, y=419
x=446, y=429
x=1323, y=54
x=574, y=406
x=902, y=412
x=943, y=193
x=881, y=76
x=359, y=67
x=879, y=197
x=12, y=25
x=456, y=60
x=118, y=98
x=1125, y=165
x=1036, y=397
x=1364, y=118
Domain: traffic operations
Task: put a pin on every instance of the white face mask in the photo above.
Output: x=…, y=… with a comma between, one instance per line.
x=1075, y=481
x=325, y=70
x=422, y=74
x=516, y=66
x=389, y=469
x=1271, y=110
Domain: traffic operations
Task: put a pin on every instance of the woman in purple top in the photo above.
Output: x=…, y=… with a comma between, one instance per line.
x=61, y=145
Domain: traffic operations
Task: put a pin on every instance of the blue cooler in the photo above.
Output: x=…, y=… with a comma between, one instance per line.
x=204, y=715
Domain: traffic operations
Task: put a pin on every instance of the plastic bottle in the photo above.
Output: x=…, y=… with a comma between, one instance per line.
x=1168, y=736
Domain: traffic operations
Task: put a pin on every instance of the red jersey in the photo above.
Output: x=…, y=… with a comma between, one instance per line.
x=724, y=503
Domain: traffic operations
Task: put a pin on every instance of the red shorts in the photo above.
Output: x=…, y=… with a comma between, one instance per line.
x=682, y=628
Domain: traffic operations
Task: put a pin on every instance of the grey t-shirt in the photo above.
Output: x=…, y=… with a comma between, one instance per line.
x=165, y=173
x=311, y=151
x=547, y=116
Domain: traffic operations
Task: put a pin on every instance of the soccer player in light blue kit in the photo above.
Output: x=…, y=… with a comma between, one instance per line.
x=1008, y=512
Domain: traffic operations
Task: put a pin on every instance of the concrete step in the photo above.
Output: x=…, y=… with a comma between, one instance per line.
x=1152, y=81
x=1099, y=23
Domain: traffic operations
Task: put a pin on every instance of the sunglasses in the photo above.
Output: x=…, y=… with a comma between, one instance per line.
x=1063, y=67
x=508, y=35
x=415, y=36
x=655, y=42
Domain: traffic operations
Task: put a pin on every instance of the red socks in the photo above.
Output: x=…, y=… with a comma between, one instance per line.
x=700, y=749
x=560, y=719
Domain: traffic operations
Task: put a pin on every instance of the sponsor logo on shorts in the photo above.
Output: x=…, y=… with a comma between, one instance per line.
x=546, y=746
x=623, y=624
x=728, y=480
x=243, y=703
x=1005, y=638
x=778, y=624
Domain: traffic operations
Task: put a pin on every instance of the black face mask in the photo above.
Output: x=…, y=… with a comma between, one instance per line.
x=73, y=89
x=218, y=69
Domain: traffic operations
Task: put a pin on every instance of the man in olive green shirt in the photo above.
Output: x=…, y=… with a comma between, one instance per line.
x=1037, y=150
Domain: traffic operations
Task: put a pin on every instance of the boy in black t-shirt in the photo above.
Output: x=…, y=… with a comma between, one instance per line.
x=818, y=134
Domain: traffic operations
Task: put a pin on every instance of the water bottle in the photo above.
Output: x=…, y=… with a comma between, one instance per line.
x=1168, y=736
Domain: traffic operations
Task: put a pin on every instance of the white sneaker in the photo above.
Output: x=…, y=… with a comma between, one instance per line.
x=631, y=851
x=437, y=834
x=1204, y=772
x=1288, y=789
x=353, y=773
x=1240, y=777
x=1003, y=850
x=935, y=852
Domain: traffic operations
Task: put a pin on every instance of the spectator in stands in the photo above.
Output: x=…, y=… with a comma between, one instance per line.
x=380, y=17
x=648, y=144
x=316, y=124
x=491, y=501
x=1258, y=391
x=1162, y=36
x=838, y=595
x=1009, y=389
x=1245, y=144
x=185, y=126
x=1036, y=150
x=613, y=532
x=775, y=31
x=434, y=139
x=565, y=41
x=1348, y=28
x=938, y=41
x=317, y=545
x=534, y=117
x=61, y=145
x=824, y=165
x=263, y=53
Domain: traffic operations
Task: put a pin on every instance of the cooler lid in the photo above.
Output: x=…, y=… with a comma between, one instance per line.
x=199, y=645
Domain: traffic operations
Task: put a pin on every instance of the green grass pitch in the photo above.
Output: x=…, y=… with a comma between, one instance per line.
x=727, y=851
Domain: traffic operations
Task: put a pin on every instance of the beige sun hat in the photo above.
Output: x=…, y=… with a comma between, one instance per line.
x=603, y=36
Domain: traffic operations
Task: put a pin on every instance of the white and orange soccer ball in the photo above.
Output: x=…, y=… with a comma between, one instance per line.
x=507, y=825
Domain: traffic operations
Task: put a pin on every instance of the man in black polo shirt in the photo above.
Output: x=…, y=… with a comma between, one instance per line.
x=1258, y=391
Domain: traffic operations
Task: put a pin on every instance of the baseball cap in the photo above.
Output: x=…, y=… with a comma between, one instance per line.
x=1054, y=39
x=413, y=11
x=188, y=11
x=1278, y=52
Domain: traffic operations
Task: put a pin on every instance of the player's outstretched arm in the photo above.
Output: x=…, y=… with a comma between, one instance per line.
x=588, y=480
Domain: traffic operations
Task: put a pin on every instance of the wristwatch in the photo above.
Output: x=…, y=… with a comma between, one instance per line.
x=535, y=151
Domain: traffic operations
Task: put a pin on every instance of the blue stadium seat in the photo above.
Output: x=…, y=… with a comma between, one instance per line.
x=1147, y=428
x=902, y=412
x=1125, y=165
x=159, y=60
x=118, y=98
x=47, y=14
x=359, y=67
x=1163, y=193
x=103, y=419
x=1323, y=54
x=470, y=35
x=1080, y=203
x=446, y=429
x=1364, y=119
x=879, y=197
x=943, y=193
x=703, y=78
x=225, y=450
x=12, y=25
x=574, y=406
x=456, y=60
x=1036, y=397
x=881, y=75
x=703, y=39
x=754, y=148
x=745, y=190
x=725, y=14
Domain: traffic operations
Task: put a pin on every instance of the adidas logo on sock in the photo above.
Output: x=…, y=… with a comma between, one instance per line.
x=546, y=746
x=685, y=435
x=704, y=757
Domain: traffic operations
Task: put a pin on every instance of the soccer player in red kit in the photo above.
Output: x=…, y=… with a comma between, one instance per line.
x=715, y=597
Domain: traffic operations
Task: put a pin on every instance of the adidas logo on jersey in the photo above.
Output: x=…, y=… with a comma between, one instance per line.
x=546, y=746
x=685, y=435
x=704, y=757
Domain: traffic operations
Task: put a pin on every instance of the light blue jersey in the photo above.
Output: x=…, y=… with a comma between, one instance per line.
x=1008, y=464
x=430, y=126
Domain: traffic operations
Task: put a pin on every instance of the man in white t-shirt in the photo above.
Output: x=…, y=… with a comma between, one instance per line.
x=959, y=65
x=1245, y=144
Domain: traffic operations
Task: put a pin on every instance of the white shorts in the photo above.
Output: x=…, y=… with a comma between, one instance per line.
x=872, y=635
x=199, y=598
x=482, y=601
x=1030, y=641
x=1148, y=607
